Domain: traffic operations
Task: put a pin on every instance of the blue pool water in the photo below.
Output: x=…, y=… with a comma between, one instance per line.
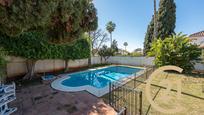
x=99, y=78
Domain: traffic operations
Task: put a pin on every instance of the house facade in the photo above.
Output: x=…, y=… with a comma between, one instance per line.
x=198, y=38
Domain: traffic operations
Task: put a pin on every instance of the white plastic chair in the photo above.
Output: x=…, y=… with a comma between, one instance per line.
x=7, y=94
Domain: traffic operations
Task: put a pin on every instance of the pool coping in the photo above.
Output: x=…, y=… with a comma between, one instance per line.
x=56, y=84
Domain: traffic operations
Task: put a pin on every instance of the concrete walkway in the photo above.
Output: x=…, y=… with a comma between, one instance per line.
x=43, y=100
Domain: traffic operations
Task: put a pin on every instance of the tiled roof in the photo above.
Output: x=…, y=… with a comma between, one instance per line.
x=198, y=34
x=198, y=38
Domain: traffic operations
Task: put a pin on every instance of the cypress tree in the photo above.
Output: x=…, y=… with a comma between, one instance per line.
x=166, y=18
x=149, y=36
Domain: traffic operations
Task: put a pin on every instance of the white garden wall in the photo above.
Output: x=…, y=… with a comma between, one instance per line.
x=78, y=63
x=137, y=61
x=17, y=66
x=97, y=60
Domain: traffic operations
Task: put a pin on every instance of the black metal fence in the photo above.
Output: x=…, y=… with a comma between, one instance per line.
x=125, y=98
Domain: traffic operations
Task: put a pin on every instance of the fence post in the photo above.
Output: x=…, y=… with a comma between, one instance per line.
x=140, y=109
x=109, y=100
x=125, y=112
x=134, y=81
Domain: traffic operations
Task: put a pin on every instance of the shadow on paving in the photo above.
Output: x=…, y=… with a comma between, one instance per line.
x=41, y=99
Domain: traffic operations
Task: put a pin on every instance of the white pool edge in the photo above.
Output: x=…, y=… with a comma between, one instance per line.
x=57, y=84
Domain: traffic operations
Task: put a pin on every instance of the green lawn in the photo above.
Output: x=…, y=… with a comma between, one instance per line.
x=192, y=98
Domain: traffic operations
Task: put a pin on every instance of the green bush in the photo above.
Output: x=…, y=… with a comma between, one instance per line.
x=202, y=56
x=136, y=54
x=175, y=50
x=34, y=45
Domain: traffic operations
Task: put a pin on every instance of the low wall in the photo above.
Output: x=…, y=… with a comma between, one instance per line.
x=17, y=66
x=199, y=66
x=137, y=61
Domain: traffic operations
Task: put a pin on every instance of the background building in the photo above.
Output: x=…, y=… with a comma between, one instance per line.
x=198, y=38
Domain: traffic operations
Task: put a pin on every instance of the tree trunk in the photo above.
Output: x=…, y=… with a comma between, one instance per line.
x=30, y=69
x=101, y=59
x=111, y=39
x=2, y=74
x=66, y=66
x=89, y=60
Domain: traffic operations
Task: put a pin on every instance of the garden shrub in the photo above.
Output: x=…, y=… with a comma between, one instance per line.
x=136, y=54
x=175, y=50
x=202, y=56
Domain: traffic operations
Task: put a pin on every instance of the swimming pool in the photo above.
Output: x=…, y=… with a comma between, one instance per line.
x=95, y=81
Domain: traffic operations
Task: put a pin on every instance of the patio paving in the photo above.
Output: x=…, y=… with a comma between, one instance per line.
x=43, y=100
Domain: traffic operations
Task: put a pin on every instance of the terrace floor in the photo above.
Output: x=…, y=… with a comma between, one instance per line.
x=41, y=99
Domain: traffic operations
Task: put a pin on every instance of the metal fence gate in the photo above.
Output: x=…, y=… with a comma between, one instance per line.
x=125, y=100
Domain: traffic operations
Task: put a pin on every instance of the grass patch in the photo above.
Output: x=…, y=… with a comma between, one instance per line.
x=192, y=84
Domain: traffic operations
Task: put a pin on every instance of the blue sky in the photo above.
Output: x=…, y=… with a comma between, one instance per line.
x=133, y=16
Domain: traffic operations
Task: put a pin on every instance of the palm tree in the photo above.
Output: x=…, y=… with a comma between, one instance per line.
x=125, y=44
x=110, y=27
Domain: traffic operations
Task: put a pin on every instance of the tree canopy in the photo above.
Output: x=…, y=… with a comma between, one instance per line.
x=106, y=52
x=98, y=38
x=114, y=46
x=46, y=29
x=63, y=20
x=110, y=27
x=28, y=27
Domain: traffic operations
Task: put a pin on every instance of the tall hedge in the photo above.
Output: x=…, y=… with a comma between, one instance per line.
x=34, y=45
